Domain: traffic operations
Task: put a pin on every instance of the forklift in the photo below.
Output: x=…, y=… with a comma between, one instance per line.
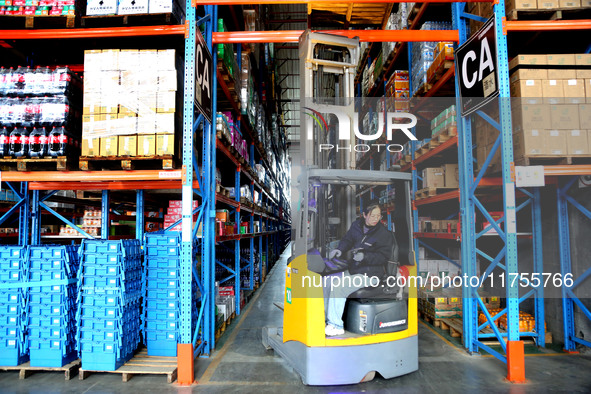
x=380, y=321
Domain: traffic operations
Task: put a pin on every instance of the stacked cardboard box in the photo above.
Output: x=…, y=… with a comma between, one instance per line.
x=397, y=88
x=444, y=176
x=174, y=213
x=129, y=110
x=511, y=6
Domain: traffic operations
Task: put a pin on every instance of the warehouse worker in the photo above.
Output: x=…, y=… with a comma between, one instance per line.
x=370, y=246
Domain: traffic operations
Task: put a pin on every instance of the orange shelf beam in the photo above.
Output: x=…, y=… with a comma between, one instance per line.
x=565, y=170
x=226, y=200
x=113, y=185
x=446, y=145
x=91, y=176
x=39, y=34
x=581, y=24
x=439, y=235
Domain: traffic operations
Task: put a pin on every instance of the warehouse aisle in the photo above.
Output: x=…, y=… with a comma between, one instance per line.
x=242, y=365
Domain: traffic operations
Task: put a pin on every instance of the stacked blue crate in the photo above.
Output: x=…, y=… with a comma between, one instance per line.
x=51, y=330
x=162, y=294
x=13, y=297
x=110, y=288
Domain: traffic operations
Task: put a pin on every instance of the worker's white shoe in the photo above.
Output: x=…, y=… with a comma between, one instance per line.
x=332, y=331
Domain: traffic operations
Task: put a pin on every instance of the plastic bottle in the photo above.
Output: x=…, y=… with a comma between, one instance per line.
x=59, y=142
x=18, y=81
x=30, y=81
x=38, y=142
x=62, y=79
x=44, y=81
x=4, y=138
x=19, y=142
x=3, y=80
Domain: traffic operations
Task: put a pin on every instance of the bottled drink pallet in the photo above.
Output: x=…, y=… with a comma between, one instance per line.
x=25, y=370
x=38, y=21
x=127, y=163
x=130, y=20
x=142, y=364
x=61, y=163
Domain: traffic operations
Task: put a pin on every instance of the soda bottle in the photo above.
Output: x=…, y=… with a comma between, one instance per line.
x=62, y=79
x=59, y=142
x=3, y=81
x=18, y=81
x=30, y=81
x=38, y=142
x=31, y=111
x=18, y=142
x=44, y=81
x=4, y=137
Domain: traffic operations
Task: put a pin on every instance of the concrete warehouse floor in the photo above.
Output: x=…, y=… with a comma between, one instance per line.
x=241, y=364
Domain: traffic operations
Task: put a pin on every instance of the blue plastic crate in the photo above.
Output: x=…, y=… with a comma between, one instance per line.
x=11, y=275
x=163, y=305
x=163, y=251
x=100, y=324
x=105, y=336
x=46, y=265
x=111, y=312
x=100, y=300
x=162, y=348
x=163, y=294
x=48, y=321
x=11, y=264
x=46, y=310
x=169, y=284
x=35, y=276
x=9, y=252
x=51, y=358
x=163, y=239
x=161, y=325
x=10, y=321
x=161, y=262
x=101, y=281
x=47, y=252
x=12, y=356
x=101, y=247
x=51, y=333
x=10, y=309
x=47, y=298
x=165, y=274
x=89, y=269
x=156, y=314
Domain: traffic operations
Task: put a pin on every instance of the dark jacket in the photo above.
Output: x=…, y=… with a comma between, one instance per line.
x=376, y=244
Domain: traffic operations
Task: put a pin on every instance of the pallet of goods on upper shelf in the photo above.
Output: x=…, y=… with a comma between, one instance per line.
x=39, y=14
x=437, y=180
x=550, y=112
x=546, y=9
x=130, y=113
x=428, y=225
x=139, y=8
x=443, y=59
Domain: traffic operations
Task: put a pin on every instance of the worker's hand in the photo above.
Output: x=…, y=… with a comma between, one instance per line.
x=358, y=256
x=334, y=253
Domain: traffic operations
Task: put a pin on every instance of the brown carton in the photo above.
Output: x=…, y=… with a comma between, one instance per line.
x=528, y=117
x=569, y=3
x=574, y=91
x=451, y=173
x=529, y=73
x=530, y=89
x=552, y=91
x=564, y=117
x=90, y=147
x=588, y=90
x=521, y=5
x=583, y=74
x=109, y=146
x=585, y=3
x=555, y=142
x=561, y=60
x=146, y=145
x=164, y=144
x=433, y=177
x=528, y=60
x=589, y=140
x=562, y=73
x=583, y=59
x=585, y=116
x=545, y=4
x=577, y=143
x=528, y=143
x=128, y=145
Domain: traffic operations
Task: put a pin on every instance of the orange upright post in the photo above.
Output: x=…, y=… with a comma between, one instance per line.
x=515, y=362
x=185, y=370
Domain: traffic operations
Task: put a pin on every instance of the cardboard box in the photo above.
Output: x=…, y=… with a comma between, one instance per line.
x=583, y=74
x=562, y=73
x=166, y=60
x=109, y=146
x=167, y=81
x=574, y=91
x=528, y=143
x=547, y=4
x=577, y=142
x=124, y=125
x=451, y=174
x=529, y=73
x=146, y=124
x=583, y=59
x=530, y=89
x=552, y=91
x=564, y=117
x=561, y=60
x=530, y=117
x=433, y=177
x=128, y=59
x=164, y=144
x=555, y=142
x=110, y=60
x=569, y=3
x=146, y=102
x=128, y=145
x=128, y=7
x=146, y=145
x=222, y=215
x=165, y=102
x=91, y=147
x=588, y=90
x=160, y=6
x=528, y=60
x=165, y=123
x=101, y=7
x=521, y=5
x=585, y=116
x=585, y=3
x=92, y=103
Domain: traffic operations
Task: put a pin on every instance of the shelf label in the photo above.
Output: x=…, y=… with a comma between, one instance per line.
x=531, y=176
x=476, y=68
x=203, y=77
x=169, y=174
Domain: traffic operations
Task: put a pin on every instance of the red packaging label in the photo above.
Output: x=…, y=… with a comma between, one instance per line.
x=43, y=139
x=4, y=139
x=34, y=139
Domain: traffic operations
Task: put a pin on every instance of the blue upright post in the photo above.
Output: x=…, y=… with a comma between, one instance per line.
x=467, y=216
x=139, y=216
x=538, y=266
x=105, y=220
x=35, y=219
x=24, y=213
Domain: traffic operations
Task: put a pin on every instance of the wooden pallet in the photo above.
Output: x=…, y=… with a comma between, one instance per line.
x=553, y=160
x=229, y=80
x=126, y=163
x=437, y=140
x=38, y=21
x=142, y=364
x=129, y=20
x=60, y=163
x=25, y=370
x=423, y=89
x=431, y=191
x=442, y=69
x=548, y=14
